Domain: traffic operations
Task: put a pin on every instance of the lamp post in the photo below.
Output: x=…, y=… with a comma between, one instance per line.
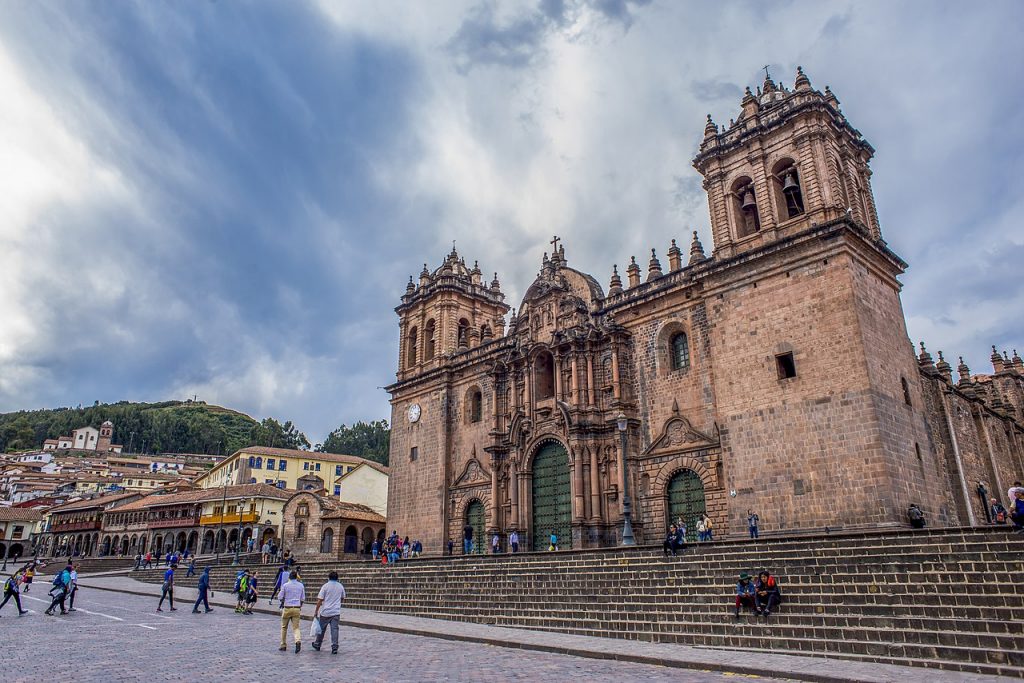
x=627, y=524
x=238, y=539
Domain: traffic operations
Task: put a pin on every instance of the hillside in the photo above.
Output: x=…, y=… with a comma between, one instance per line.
x=167, y=427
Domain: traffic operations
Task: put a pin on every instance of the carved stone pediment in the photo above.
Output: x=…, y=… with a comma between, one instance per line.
x=473, y=475
x=679, y=435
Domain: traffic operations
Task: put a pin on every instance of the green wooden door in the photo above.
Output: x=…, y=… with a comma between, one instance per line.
x=552, y=497
x=475, y=518
x=686, y=500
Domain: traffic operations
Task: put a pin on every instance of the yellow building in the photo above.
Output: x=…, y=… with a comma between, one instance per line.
x=256, y=509
x=283, y=468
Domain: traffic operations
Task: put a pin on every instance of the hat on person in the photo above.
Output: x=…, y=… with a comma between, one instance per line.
x=744, y=576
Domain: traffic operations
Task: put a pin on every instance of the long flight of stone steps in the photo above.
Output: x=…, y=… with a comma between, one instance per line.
x=943, y=598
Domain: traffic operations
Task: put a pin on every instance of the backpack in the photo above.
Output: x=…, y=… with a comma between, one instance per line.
x=915, y=513
x=58, y=580
x=9, y=585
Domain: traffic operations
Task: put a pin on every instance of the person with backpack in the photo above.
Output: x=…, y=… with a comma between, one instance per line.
x=241, y=588
x=167, y=589
x=708, y=528
x=205, y=593
x=252, y=594
x=282, y=573
x=73, y=587
x=998, y=512
x=11, y=591
x=30, y=572
x=916, y=516
x=701, y=531
x=59, y=591
x=554, y=541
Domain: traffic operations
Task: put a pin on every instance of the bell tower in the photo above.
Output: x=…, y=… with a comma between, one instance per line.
x=450, y=310
x=790, y=161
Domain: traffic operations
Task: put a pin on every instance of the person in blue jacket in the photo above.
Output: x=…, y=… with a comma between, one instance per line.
x=204, y=592
x=745, y=594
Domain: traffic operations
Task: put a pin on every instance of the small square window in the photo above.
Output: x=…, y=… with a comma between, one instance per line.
x=785, y=365
x=282, y=465
x=305, y=465
x=270, y=463
x=337, y=490
x=414, y=452
x=318, y=467
x=337, y=470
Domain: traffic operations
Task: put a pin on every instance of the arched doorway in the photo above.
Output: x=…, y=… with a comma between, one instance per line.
x=158, y=545
x=475, y=518
x=124, y=545
x=222, y=541
x=193, y=542
x=16, y=550
x=268, y=535
x=105, y=550
x=351, y=540
x=552, y=497
x=366, y=540
x=685, y=493
x=207, y=543
x=180, y=542
x=232, y=540
x=327, y=541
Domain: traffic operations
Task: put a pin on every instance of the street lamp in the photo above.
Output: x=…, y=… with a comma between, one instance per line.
x=238, y=539
x=627, y=525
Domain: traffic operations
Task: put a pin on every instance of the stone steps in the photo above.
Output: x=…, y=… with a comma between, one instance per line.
x=942, y=598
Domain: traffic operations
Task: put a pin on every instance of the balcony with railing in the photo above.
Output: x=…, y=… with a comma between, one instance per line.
x=217, y=519
x=165, y=522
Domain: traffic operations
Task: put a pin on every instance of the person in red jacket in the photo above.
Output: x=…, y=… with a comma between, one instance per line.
x=766, y=593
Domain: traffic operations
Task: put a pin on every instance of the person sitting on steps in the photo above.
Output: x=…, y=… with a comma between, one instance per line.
x=669, y=546
x=766, y=593
x=916, y=516
x=745, y=595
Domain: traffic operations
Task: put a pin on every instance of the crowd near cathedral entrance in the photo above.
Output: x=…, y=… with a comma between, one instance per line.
x=769, y=374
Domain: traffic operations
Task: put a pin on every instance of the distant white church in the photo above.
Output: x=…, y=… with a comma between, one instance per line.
x=86, y=439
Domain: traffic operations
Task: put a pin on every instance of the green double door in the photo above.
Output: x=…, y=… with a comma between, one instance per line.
x=552, y=497
x=686, y=500
x=475, y=519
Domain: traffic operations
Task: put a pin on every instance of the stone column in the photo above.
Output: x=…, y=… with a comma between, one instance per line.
x=959, y=462
x=616, y=385
x=558, y=377
x=493, y=516
x=991, y=456
x=577, y=485
x=590, y=379
x=575, y=380
x=513, y=492
x=595, y=487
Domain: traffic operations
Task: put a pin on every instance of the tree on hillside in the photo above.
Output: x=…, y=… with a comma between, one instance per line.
x=272, y=433
x=17, y=435
x=367, y=440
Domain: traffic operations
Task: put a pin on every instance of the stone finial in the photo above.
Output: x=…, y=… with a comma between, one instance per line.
x=1017, y=362
x=512, y=319
x=802, y=82
x=633, y=272
x=710, y=128
x=410, y=287
x=831, y=98
x=963, y=371
x=943, y=367
x=749, y=103
x=675, y=257
x=424, y=275
x=615, y=286
x=997, y=360
x=545, y=262
x=696, y=250
x=653, y=267
x=995, y=400
x=924, y=359
x=495, y=285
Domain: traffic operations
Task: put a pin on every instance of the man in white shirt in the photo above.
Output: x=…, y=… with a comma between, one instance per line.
x=293, y=594
x=328, y=611
x=74, y=587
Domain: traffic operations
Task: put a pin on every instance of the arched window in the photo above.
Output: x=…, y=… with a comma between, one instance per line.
x=327, y=540
x=544, y=376
x=463, y=333
x=428, y=350
x=475, y=405
x=485, y=332
x=411, y=346
x=788, y=193
x=301, y=531
x=906, y=391
x=252, y=461
x=259, y=463
x=745, y=208
x=679, y=350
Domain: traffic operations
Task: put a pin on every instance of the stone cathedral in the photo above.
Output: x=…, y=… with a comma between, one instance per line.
x=774, y=374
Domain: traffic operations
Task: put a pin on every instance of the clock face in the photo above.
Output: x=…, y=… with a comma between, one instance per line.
x=414, y=412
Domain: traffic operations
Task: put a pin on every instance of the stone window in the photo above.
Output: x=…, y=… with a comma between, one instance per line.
x=786, y=365
x=679, y=348
x=474, y=405
x=544, y=376
x=463, y=338
x=429, y=341
x=301, y=531
x=302, y=510
x=906, y=391
x=414, y=453
x=411, y=346
x=788, y=191
x=745, y=208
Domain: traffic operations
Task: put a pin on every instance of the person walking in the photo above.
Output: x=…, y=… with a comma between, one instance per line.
x=30, y=572
x=495, y=544
x=191, y=567
x=167, y=589
x=279, y=581
x=752, y=523
x=204, y=592
x=708, y=534
x=148, y=563
x=513, y=540
x=467, y=539
x=293, y=594
x=73, y=589
x=59, y=592
x=11, y=590
x=328, y=611
x=554, y=541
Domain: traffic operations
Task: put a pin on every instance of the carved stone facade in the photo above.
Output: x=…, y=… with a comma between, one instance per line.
x=775, y=374
x=318, y=527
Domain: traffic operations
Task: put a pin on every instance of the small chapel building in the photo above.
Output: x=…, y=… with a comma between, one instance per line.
x=774, y=374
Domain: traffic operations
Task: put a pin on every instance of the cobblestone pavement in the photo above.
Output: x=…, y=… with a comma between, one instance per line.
x=120, y=637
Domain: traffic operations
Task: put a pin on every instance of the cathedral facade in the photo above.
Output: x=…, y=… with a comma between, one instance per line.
x=774, y=374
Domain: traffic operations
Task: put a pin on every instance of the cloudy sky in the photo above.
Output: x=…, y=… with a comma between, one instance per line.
x=227, y=198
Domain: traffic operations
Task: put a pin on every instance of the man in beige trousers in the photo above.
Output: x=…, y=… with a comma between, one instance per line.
x=293, y=594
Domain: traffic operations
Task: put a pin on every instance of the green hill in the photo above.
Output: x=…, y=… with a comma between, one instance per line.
x=167, y=427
